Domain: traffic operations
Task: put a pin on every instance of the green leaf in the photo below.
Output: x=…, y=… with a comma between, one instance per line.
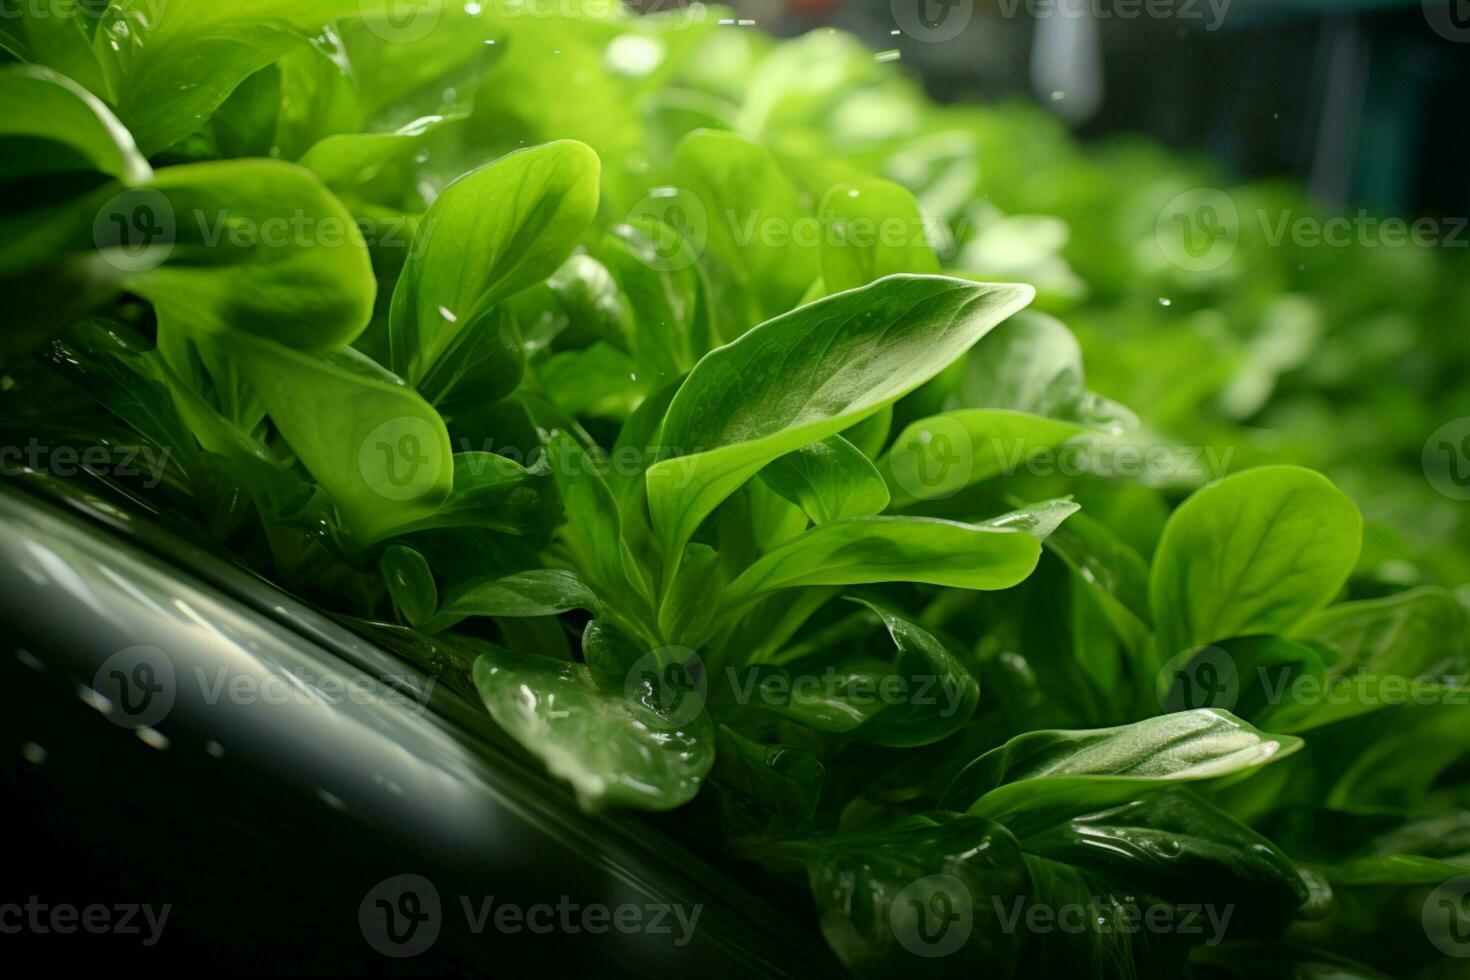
x=593, y=304
x=58, y=35
x=43, y=104
x=609, y=653
x=594, y=527
x=1256, y=677
x=1393, y=758
x=662, y=294
x=114, y=366
x=379, y=449
x=872, y=229
x=410, y=583
x=1293, y=686
x=937, y=457
x=1031, y=363
x=487, y=366
x=490, y=491
x=553, y=81
x=766, y=791
x=1180, y=848
x=636, y=448
x=1020, y=394
x=862, y=550
x=173, y=65
x=871, y=434
x=1395, y=869
x=596, y=380
x=807, y=375
x=1090, y=926
x=538, y=592
x=411, y=60
x=925, y=693
x=244, y=246
x=684, y=616
x=614, y=750
x=492, y=233
x=924, y=889
x=344, y=161
x=1256, y=552
x=1409, y=635
x=747, y=216
x=829, y=480
x=1042, y=778
x=1106, y=564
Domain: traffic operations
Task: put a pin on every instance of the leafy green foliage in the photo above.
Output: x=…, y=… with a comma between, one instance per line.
x=1254, y=553
x=804, y=376
x=490, y=234
x=685, y=377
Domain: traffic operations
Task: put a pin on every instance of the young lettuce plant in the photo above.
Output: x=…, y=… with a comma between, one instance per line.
x=783, y=386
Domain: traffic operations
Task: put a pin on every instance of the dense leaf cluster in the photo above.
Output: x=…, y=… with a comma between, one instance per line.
x=673, y=391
